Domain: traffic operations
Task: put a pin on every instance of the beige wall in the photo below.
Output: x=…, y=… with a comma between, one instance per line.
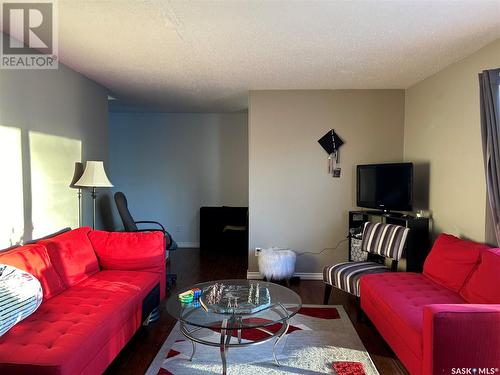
x=442, y=128
x=293, y=201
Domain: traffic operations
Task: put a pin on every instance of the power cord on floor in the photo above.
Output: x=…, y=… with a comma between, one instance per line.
x=325, y=249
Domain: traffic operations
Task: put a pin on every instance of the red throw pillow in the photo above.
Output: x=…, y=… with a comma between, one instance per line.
x=483, y=285
x=35, y=260
x=451, y=260
x=130, y=251
x=72, y=255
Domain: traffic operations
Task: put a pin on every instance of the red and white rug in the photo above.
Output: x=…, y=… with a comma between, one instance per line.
x=319, y=339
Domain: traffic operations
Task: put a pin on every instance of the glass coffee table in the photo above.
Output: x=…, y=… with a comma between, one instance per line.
x=232, y=306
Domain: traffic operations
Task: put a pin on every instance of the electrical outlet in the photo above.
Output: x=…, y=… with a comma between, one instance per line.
x=257, y=251
x=178, y=229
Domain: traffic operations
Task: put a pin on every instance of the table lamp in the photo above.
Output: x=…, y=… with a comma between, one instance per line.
x=94, y=176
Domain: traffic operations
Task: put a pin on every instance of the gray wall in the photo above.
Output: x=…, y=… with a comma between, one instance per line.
x=293, y=201
x=61, y=103
x=169, y=165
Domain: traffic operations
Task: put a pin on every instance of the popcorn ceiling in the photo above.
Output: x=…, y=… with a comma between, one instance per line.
x=206, y=55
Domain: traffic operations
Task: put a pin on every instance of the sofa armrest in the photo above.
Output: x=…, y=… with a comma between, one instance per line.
x=132, y=251
x=460, y=336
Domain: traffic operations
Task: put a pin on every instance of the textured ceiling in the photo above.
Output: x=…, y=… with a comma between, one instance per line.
x=206, y=55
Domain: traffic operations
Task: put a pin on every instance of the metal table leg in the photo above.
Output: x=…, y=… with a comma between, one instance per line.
x=224, y=340
x=194, y=349
x=234, y=323
x=287, y=325
x=239, y=324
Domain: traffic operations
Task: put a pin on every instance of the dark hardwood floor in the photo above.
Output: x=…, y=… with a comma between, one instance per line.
x=192, y=267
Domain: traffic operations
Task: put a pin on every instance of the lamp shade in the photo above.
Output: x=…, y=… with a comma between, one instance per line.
x=76, y=175
x=94, y=175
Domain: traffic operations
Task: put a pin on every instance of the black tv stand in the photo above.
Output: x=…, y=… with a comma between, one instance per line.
x=387, y=213
x=394, y=214
x=417, y=243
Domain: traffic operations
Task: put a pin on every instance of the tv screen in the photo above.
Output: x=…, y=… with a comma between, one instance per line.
x=385, y=186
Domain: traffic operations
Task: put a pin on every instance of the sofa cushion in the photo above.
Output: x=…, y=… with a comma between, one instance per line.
x=138, y=251
x=399, y=298
x=451, y=260
x=68, y=331
x=35, y=260
x=72, y=255
x=483, y=284
x=129, y=250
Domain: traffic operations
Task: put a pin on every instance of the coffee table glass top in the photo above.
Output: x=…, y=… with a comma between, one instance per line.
x=241, y=304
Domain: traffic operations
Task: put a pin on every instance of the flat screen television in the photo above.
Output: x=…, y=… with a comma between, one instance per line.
x=385, y=186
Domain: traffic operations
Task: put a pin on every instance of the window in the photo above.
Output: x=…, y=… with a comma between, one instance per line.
x=54, y=203
x=11, y=187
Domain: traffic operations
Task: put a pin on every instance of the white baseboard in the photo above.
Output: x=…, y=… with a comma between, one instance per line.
x=302, y=275
x=188, y=244
x=309, y=275
x=254, y=275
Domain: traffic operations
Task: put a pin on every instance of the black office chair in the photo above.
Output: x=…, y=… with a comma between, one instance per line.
x=131, y=226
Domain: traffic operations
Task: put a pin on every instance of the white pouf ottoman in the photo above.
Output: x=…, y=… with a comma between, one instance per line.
x=277, y=263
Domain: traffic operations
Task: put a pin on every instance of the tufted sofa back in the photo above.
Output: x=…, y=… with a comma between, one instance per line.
x=482, y=285
x=72, y=255
x=35, y=260
x=452, y=260
x=58, y=262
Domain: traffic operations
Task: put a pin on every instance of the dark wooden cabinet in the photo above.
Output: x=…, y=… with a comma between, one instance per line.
x=224, y=229
x=417, y=243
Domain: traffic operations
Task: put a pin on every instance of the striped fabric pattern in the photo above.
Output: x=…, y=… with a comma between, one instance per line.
x=346, y=275
x=20, y=295
x=387, y=240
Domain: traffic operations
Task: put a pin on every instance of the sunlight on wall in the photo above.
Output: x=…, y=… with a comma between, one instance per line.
x=54, y=204
x=11, y=187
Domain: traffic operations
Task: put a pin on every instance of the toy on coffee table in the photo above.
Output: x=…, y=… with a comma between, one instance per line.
x=190, y=296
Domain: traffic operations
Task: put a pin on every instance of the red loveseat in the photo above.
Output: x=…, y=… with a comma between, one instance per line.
x=445, y=320
x=98, y=289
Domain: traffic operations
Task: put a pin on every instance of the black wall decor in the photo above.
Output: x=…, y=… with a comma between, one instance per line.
x=331, y=143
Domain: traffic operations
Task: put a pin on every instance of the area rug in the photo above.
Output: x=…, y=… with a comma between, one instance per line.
x=319, y=338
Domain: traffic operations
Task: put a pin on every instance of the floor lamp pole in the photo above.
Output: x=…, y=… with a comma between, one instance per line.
x=80, y=207
x=94, y=195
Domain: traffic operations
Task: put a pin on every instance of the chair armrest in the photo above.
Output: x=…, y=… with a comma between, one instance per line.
x=460, y=336
x=151, y=230
x=151, y=222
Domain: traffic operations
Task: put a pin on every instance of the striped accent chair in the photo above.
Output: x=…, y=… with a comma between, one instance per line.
x=380, y=241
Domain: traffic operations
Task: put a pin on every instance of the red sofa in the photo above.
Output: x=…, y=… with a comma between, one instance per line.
x=445, y=320
x=98, y=289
